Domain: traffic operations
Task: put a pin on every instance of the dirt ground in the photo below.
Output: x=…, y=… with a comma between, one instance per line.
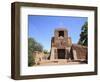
x=57, y=62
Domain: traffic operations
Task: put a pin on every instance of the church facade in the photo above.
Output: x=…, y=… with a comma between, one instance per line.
x=60, y=44
x=62, y=47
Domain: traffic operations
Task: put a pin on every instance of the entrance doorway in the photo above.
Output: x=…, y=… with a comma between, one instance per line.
x=61, y=53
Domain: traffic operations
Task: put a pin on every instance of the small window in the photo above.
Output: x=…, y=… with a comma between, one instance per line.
x=61, y=33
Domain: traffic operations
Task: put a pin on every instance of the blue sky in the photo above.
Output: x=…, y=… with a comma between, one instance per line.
x=41, y=28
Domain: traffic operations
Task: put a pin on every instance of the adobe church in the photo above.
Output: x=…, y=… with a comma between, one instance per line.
x=63, y=51
x=62, y=47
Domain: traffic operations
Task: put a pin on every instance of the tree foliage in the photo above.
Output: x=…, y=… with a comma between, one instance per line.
x=84, y=35
x=45, y=51
x=33, y=45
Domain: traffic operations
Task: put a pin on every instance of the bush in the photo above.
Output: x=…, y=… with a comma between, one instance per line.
x=33, y=46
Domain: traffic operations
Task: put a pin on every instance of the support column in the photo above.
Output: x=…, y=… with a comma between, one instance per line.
x=74, y=54
x=52, y=56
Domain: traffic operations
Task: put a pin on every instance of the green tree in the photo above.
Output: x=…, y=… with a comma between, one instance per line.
x=84, y=35
x=33, y=46
x=46, y=52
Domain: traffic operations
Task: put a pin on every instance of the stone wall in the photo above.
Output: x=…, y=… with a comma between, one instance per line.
x=79, y=52
x=39, y=56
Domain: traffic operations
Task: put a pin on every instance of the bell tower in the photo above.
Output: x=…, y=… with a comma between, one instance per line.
x=60, y=44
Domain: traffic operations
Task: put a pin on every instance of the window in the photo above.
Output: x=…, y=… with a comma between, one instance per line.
x=61, y=33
